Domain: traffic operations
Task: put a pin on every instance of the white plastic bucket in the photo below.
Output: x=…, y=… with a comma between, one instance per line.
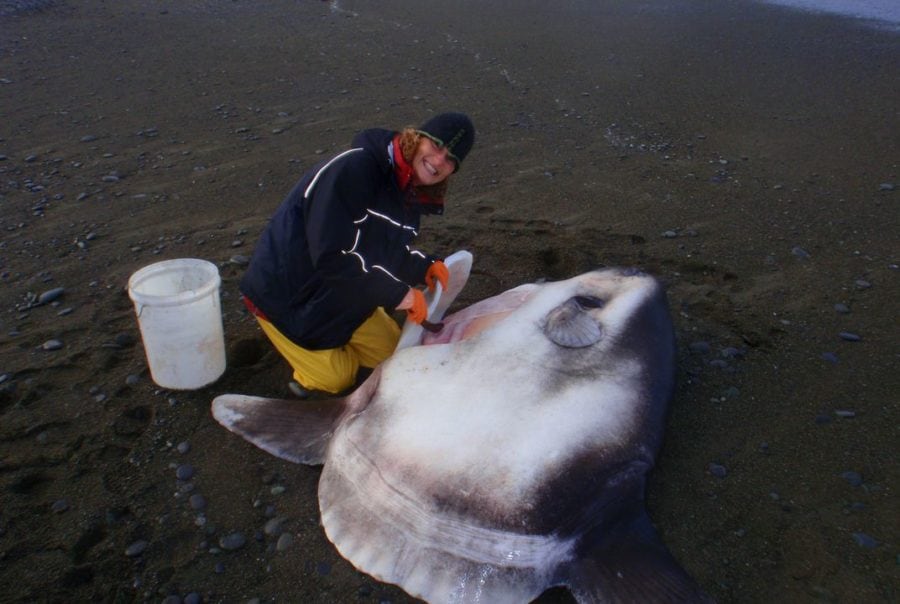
x=178, y=311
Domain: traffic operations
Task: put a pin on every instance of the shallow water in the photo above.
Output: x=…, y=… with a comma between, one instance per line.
x=886, y=11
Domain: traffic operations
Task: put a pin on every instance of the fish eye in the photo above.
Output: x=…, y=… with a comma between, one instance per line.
x=588, y=302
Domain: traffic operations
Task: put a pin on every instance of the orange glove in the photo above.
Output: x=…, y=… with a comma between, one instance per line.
x=437, y=270
x=414, y=305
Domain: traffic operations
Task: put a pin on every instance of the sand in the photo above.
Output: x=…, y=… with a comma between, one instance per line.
x=744, y=153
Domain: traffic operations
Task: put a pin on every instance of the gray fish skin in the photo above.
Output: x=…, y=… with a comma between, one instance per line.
x=490, y=468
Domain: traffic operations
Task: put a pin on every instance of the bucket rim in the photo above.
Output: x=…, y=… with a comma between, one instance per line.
x=173, y=264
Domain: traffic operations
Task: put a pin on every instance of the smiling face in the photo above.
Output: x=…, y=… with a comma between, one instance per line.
x=431, y=163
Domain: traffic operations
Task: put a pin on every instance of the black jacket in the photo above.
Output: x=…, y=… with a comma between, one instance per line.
x=338, y=247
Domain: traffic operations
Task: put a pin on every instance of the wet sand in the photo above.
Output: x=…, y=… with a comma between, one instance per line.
x=746, y=154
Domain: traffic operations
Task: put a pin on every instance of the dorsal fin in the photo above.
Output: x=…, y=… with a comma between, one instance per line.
x=631, y=566
x=294, y=430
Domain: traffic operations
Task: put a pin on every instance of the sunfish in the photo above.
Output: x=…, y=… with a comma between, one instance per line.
x=506, y=455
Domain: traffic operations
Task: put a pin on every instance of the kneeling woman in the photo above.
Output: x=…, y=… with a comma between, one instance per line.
x=338, y=251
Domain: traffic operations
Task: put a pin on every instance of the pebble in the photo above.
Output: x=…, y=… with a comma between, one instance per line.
x=799, y=252
x=845, y=413
x=52, y=345
x=197, y=501
x=862, y=284
x=89, y=138
x=184, y=472
x=183, y=447
x=137, y=548
x=717, y=470
x=239, y=260
x=887, y=186
x=59, y=506
x=864, y=540
x=284, y=542
x=233, y=541
x=274, y=526
x=193, y=598
x=277, y=490
x=699, y=347
x=124, y=340
x=132, y=379
x=172, y=599
x=830, y=357
x=849, y=337
x=842, y=309
x=854, y=479
x=669, y=234
x=50, y=295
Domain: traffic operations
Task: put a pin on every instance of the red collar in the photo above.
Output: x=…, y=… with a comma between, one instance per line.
x=402, y=170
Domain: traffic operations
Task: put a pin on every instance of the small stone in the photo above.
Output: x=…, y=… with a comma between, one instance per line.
x=669, y=234
x=799, y=252
x=862, y=284
x=277, y=490
x=193, y=598
x=718, y=470
x=232, y=541
x=132, y=380
x=830, y=357
x=699, y=347
x=52, y=345
x=59, y=506
x=887, y=186
x=854, y=479
x=124, y=340
x=849, y=337
x=197, y=501
x=136, y=549
x=323, y=568
x=864, y=540
x=274, y=526
x=183, y=447
x=845, y=413
x=842, y=309
x=89, y=138
x=184, y=472
x=285, y=540
x=50, y=295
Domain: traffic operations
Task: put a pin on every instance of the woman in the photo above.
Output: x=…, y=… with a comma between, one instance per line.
x=337, y=252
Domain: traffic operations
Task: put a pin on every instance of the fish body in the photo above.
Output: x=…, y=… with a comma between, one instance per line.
x=503, y=456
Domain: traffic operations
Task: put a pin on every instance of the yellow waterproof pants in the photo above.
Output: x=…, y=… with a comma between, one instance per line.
x=334, y=369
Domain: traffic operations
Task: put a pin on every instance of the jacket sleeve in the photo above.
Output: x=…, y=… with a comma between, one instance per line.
x=335, y=213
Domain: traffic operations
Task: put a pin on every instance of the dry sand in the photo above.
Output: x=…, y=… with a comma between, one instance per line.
x=741, y=152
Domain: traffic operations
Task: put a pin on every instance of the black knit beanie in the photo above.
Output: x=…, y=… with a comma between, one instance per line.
x=454, y=131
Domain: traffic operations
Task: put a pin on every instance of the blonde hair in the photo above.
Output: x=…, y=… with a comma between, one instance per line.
x=409, y=142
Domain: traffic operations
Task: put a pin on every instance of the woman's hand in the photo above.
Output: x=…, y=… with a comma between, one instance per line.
x=414, y=305
x=438, y=270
